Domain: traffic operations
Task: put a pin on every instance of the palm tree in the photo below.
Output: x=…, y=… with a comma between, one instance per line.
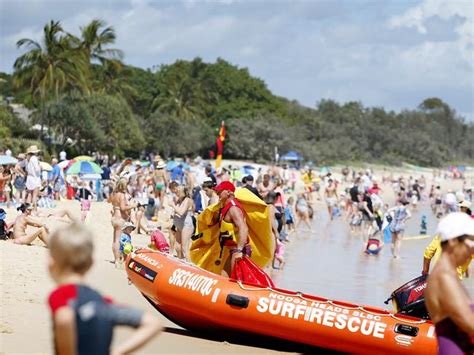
x=113, y=78
x=93, y=41
x=50, y=68
x=183, y=92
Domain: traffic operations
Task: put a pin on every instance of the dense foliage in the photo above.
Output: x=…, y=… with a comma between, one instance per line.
x=90, y=100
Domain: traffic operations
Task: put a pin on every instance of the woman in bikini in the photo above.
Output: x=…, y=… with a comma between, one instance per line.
x=22, y=222
x=121, y=212
x=161, y=181
x=183, y=220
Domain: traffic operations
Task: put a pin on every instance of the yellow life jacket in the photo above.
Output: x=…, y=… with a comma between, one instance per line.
x=207, y=248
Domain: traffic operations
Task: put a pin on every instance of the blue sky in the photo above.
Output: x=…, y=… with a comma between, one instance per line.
x=390, y=54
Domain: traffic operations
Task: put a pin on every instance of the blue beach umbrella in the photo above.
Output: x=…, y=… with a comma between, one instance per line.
x=7, y=160
x=171, y=165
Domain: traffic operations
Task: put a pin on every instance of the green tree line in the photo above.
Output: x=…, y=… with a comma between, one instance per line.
x=89, y=100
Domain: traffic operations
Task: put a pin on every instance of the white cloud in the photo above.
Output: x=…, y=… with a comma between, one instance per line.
x=417, y=17
x=303, y=50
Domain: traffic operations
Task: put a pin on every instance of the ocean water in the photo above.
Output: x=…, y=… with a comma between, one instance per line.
x=331, y=263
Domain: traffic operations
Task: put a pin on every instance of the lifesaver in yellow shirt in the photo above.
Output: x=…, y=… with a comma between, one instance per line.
x=207, y=250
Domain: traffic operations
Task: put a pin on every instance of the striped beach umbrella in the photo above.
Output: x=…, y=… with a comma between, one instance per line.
x=84, y=167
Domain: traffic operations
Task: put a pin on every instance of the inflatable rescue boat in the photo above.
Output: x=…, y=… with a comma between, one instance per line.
x=199, y=300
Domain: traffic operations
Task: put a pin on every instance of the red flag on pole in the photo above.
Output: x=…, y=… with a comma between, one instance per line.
x=220, y=145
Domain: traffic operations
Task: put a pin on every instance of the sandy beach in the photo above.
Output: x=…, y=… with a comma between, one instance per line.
x=25, y=325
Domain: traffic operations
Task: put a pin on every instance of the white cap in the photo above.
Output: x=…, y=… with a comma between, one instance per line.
x=128, y=225
x=455, y=225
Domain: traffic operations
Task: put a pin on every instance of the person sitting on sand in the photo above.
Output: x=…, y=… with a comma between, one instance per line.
x=83, y=319
x=23, y=221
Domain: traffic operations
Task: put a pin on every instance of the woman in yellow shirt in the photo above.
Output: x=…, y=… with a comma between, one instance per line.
x=433, y=251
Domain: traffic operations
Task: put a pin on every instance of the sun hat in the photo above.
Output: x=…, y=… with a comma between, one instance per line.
x=455, y=225
x=160, y=164
x=127, y=225
x=225, y=185
x=33, y=150
x=21, y=156
x=465, y=204
x=157, y=158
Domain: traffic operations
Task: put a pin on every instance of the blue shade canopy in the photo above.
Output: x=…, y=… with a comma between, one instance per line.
x=292, y=156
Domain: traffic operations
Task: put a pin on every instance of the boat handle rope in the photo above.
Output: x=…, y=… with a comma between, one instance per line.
x=298, y=294
x=360, y=308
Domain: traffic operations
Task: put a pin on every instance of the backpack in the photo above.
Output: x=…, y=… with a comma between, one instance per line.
x=3, y=230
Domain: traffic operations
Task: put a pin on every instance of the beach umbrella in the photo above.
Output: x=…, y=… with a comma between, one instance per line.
x=83, y=158
x=7, y=160
x=45, y=166
x=141, y=163
x=325, y=170
x=84, y=167
x=65, y=164
x=171, y=165
x=91, y=177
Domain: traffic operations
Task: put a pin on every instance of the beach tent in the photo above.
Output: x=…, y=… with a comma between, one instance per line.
x=291, y=156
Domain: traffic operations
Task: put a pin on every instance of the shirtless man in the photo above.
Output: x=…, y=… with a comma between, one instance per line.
x=232, y=221
x=265, y=186
x=22, y=222
x=437, y=199
x=331, y=197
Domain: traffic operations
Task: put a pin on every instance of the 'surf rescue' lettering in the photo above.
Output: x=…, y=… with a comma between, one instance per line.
x=359, y=323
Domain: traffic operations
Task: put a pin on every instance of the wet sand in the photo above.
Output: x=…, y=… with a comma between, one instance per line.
x=329, y=263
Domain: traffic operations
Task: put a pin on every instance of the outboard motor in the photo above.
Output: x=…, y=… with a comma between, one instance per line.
x=408, y=299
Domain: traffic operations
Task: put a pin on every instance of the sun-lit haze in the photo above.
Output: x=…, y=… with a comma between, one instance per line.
x=390, y=54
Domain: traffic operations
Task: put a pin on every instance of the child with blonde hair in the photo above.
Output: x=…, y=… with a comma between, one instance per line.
x=84, y=320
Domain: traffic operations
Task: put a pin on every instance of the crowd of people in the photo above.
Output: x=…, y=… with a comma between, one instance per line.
x=142, y=192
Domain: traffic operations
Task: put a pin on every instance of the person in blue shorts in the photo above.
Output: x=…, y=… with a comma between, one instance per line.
x=83, y=319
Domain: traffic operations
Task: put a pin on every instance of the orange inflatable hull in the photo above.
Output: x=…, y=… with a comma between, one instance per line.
x=199, y=300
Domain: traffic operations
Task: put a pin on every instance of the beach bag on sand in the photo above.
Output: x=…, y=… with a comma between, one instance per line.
x=3, y=230
x=159, y=241
x=246, y=271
